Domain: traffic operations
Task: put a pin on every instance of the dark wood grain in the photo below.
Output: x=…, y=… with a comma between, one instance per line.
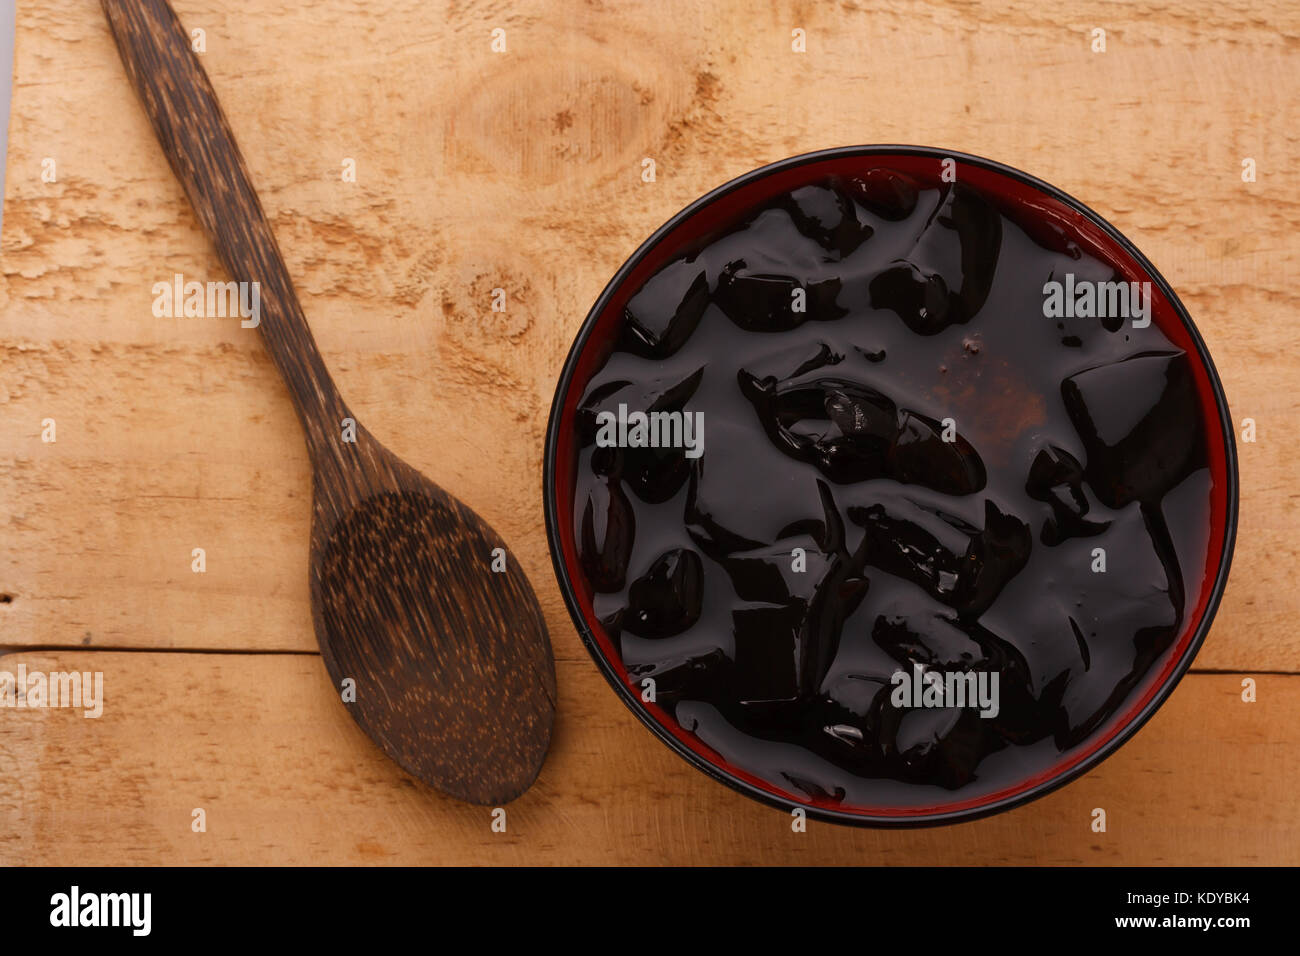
x=453, y=671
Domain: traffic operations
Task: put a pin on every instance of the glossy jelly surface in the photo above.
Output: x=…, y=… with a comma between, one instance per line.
x=905, y=464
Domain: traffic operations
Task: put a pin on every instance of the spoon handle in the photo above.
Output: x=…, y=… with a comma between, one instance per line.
x=193, y=131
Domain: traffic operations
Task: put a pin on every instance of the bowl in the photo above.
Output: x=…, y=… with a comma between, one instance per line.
x=970, y=408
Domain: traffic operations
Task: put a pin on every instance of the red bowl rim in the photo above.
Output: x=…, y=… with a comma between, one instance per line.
x=988, y=804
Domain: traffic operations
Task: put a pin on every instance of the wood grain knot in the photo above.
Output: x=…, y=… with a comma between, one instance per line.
x=548, y=119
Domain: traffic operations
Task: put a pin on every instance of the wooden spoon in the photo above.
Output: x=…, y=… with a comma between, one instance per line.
x=450, y=660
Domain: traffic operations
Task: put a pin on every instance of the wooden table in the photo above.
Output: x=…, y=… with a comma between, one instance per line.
x=521, y=170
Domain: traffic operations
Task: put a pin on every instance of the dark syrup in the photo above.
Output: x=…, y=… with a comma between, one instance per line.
x=823, y=431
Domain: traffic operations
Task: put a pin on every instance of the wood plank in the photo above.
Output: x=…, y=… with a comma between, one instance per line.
x=262, y=744
x=520, y=171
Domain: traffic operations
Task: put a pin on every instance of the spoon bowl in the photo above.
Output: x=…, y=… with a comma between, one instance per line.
x=447, y=655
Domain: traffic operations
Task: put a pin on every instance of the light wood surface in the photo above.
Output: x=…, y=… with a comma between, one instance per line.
x=261, y=745
x=521, y=170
